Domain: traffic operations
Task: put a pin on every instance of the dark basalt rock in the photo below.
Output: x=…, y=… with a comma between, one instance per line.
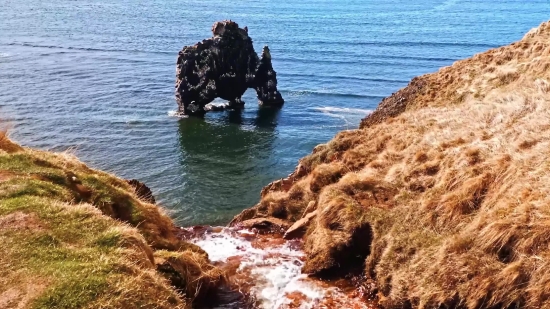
x=142, y=191
x=265, y=82
x=224, y=66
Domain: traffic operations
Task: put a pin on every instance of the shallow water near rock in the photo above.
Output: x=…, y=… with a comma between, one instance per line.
x=97, y=77
x=266, y=270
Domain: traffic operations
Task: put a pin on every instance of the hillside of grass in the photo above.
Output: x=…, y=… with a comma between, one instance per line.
x=75, y=237
x=442, y=197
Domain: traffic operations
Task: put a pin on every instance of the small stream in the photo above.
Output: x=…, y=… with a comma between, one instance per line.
x=265, y=272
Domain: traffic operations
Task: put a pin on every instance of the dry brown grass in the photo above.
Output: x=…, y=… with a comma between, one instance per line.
x=190, y=272
x=496, y=70
x=7, y=145
x=460, y=161
x=21, y=295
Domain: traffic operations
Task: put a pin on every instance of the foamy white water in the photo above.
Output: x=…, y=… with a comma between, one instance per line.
x=343, y=110
x=348, y=115
x=274, y=271
x=446, y=5
x=176, y=114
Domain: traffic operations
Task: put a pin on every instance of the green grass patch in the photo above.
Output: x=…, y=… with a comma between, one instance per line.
x=64, y=235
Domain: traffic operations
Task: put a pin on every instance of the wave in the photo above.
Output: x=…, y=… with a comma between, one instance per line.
x=341, y=77
x=176, y=114
x=93, y=49
x=4, y=55
x=295, y=93
x=445, y=5
x=53, y=53
x=396, y=43
x=343, y=110
x=360, y=61
x=301, y=43
x=349, y=116
x=368, y=59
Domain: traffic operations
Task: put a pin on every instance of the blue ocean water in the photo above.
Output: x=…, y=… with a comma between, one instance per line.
x=96, y=78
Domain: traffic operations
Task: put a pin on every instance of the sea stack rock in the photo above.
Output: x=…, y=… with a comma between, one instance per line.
x=266, y=82
x=224, y=66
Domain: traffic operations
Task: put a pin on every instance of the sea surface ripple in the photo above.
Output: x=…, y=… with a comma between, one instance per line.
x=96, y=78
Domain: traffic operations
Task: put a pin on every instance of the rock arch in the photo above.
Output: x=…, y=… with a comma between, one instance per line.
x=224, y=66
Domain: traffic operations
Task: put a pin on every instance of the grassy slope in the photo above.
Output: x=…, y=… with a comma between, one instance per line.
x=450, y=177
x=74, y=237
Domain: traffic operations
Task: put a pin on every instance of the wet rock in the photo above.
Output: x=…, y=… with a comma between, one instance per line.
x=265, y=225
x=246, y=214
x=224, y=66
x=266, y=242
x=216, y=229
x=142, y=191
x=298, y=229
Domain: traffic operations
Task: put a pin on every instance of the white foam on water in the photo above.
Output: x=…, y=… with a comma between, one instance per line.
x=176, y=114
x=343, y=110
x=278, y=277
x=349, y=115
x=301, y=285
x=445, y=5
x=221, y=246
x=276, y=269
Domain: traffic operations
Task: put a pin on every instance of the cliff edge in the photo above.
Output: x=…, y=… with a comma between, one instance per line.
x=442, y=197
x=75, y=237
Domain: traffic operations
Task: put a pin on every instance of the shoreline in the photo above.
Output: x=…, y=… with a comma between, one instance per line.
x=440, y=198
